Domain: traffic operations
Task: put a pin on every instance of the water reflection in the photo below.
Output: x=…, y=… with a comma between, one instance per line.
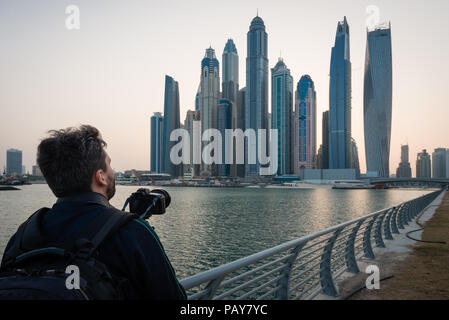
x=206, y=227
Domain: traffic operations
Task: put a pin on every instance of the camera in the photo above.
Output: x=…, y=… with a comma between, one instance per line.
x=146, y=202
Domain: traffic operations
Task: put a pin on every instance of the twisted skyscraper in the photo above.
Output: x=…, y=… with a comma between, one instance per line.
x=377, y=101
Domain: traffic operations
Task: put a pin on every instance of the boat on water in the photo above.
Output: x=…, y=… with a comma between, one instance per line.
x=352, y=184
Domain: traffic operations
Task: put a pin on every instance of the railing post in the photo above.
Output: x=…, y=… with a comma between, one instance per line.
x=351, y=261
x=387, y=224
x=327, y=282
x=367, y=248
x=406, y=213
x=378, y=231
x=212, y=287
x=282, y=292
x=400, y=215
x=394, y=219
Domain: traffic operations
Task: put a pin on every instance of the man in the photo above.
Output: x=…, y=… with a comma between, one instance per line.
x=78, y=171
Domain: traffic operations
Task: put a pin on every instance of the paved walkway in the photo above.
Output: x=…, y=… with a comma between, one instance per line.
x=420, y=270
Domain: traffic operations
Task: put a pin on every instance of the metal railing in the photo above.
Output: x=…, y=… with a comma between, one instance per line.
x=305, y=267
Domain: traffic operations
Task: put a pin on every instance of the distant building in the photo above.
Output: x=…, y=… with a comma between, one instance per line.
x=423, y=165
x=340, y=100
x=13, y=162
x=224, y=122
x=404, y=170
x=240, y=168
x=377, y=101
x=156, y=128
x=171, y=122
x=439, y=163
x=209, y=96
x=230, y=92
x=36, y=171
x=319, y=158
x=325, y=137
x=197, y=98
x=304, y=134
x=281, y=114
x=355, y=164
x=256, y=103
x=192, y=169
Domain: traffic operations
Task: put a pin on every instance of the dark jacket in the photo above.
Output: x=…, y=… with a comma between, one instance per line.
x=133, y=252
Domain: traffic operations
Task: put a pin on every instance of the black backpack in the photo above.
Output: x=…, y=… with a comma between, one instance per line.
x=35, y=270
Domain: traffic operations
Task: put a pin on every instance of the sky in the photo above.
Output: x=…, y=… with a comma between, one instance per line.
x=110, y=72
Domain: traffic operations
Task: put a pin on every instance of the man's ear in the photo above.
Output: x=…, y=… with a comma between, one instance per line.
x=100, y=178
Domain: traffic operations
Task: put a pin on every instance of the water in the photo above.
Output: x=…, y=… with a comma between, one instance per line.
x=207, y=227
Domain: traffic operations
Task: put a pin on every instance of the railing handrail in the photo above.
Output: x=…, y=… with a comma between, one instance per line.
x=403, y=211
x=229, y=267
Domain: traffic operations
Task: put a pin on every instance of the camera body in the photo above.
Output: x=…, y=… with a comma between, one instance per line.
x=149, y=201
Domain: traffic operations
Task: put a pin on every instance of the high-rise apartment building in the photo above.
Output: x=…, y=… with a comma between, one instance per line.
x=404, y=170
x=192, y=169
x=209, y=96
x=423, y=165
x=377, y=101
x=305, y=125
x=439, y=160
x=281, y=114
x=256, y=103
x=230, y=92
x=325, y=138
x=156, y=128
x=340, y=100
x=170, y=123
x=13, y=162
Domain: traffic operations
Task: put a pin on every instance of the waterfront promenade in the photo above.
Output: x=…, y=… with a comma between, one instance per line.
x=414, y=270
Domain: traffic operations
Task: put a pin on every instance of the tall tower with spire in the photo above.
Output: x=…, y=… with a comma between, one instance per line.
x=230, y=89
x=256, y=98
x=209, y=94
x=340, y=100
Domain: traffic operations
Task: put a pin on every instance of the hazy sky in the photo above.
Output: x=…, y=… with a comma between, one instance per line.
x=110, y=72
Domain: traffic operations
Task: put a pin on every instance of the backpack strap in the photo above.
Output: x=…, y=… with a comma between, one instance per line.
x=27, y=237
x=101, y=228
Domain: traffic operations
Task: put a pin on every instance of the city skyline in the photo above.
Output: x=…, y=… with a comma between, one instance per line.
x=112, y=103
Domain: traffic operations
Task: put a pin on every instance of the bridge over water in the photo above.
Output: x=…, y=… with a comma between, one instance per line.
x=411, y=182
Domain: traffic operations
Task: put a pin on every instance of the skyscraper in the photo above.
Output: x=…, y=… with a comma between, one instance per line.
x=355, y=164
x=305, y=125
x=157, y=124
x=241, y=100
x=209, y=96
x=13, y=162
x=197, y=98
x=404, y=170
x=281, y=114
x=325, y=137
x=224, y=122
x=377, y=101
x=230, y=91
x=256, y=104
x=423, y=165
x=230, y=73
x=340, y=100
x=191, y=168
x=439, y=163
x=170, y=123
